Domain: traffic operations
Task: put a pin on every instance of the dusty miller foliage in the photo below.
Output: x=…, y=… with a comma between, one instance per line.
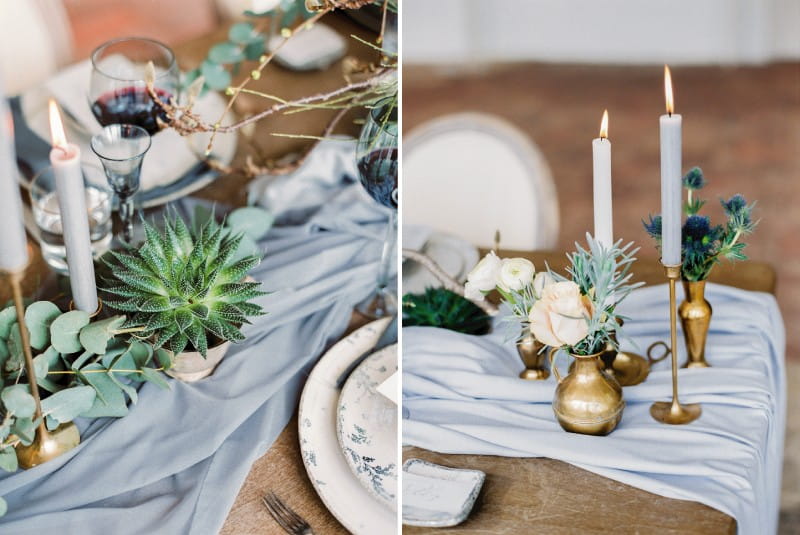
x=604, y=275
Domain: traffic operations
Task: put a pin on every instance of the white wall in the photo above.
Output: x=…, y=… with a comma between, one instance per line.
x=601, y=31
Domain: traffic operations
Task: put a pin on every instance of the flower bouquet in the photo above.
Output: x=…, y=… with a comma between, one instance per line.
x=703, y=246
x=577, y=315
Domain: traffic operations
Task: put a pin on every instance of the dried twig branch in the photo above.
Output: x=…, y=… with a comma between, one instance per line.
x=448, y=282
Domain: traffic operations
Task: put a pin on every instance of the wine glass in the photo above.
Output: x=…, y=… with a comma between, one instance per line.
x=376, y=157
x=120, y=102
x=117, y=89
x=121, y=148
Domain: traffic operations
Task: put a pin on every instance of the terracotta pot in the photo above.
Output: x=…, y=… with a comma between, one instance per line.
x=190, y=366
x=695, y=314
x=588, y=400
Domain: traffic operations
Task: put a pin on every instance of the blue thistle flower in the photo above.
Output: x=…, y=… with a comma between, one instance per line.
x=653, y=227
x=694, y=180
x=736, y=207
x=699, y=237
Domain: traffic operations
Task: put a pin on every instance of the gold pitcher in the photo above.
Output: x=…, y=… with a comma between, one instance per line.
x=695, y=314
x=529, y=349
x=589, y=399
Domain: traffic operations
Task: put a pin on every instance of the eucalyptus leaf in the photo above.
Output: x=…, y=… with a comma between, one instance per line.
x=8, y=462
x=15, y=354
x=128, y=389
x=216, y=76
x=243, y=33
x=8, y=316
x=80, y=361
x=225, y=53
x=3, y=504
x=252, y=220
x=44, y=363
x=25, y=429
x=95, y=336
x=18, y=400
x=155, y=376
x=38, y=317
x=65, y=329
x=113, y=351
x=51, y=423
x=4, y=353
x=254, y=50
x=110, y=400
x=66, y=405
x=165, y=358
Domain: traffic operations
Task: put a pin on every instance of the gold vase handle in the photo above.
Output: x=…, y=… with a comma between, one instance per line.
x=659, y=358
x=553, y=367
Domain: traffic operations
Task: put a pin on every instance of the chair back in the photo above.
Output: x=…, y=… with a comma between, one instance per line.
x=471, y=174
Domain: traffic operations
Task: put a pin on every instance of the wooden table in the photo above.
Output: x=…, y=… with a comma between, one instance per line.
x=533, y=495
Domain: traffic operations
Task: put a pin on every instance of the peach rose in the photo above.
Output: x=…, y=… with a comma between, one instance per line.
x=561, y=316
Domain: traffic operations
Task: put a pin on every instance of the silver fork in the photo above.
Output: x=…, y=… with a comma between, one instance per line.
x=290, y=521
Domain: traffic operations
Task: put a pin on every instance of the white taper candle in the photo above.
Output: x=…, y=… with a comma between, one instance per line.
x=66, y=161
x=601, y=160
x=671, y=186
x=13, y=243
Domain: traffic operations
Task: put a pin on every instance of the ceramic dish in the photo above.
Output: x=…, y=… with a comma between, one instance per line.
x=437, y=496
x=332, y=478
x=366, y=425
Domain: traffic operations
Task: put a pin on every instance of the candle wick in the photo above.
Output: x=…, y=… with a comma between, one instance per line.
x=63, y=149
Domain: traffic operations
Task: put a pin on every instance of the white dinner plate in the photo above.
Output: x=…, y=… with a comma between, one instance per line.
x=455, y=256
x=327, y=469
x=366, y=425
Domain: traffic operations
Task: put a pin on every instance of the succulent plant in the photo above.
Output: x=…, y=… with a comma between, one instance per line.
x=442, y=308
x=185, y=287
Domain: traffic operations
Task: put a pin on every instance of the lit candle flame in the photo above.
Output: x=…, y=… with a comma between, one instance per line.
x=668, y=91
x=604, y=125
x=56, y=127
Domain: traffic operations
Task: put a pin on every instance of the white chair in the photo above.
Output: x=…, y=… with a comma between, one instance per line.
x=35, y=40
x=471, y=174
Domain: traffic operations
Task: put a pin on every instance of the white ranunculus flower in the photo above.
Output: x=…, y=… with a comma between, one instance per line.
x=560, y=317
x=540, y=281
x=472, y=293
x=515, y=274
x=483, y=277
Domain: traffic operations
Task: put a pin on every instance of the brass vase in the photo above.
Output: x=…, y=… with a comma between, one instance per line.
x=695, y=314
x=588, y=400
x=530, y=351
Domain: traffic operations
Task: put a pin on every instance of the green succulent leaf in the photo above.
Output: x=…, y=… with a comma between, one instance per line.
x=38, y=317
x=18, y=400
x=65, y=329
x=68, y=404
x=95, y=336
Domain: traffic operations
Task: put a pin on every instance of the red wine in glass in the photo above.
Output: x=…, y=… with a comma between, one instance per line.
x=378, y=170
x=130, y=105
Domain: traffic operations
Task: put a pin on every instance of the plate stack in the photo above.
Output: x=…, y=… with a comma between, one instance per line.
x=348, y=432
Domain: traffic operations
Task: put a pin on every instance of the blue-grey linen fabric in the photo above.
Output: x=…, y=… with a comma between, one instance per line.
x=175, y=464
x=461, y=394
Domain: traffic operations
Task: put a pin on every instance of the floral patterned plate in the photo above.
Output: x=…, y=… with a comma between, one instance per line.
x=366, y=424
x=333, y=480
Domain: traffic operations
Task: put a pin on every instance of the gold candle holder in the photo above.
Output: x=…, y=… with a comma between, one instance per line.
x=46, y=444
x=673, y=412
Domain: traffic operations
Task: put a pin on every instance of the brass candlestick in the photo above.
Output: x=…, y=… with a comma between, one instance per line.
x=673, y=412
x=46, y=444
